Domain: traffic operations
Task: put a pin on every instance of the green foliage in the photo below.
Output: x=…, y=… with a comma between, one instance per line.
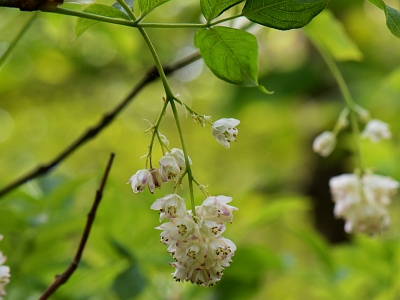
x=283, y=14
x=213, y=8
x=231, y=54
x=146, y=6
x=129, y=283
x=392, y=16
x=330, y=32
x=97, y=9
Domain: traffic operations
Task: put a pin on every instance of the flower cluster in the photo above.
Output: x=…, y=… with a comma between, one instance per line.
x=195, y=241
x=362, y=201
x=171, y=166
x=4, y=274
x=375, y=130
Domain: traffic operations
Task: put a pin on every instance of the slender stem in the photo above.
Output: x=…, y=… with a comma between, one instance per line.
x=224, y=20
x=85, y=15
x=155, y=130
x=202, y=188
x=91, y=132
x=187, y=107
x=188, y=168
x=63, y=278
x=173, y=25
x=346, y=95
x=168, y=93
x=127, y=9
x=5, y=55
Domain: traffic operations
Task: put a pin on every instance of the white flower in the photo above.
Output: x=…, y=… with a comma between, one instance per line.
x=140, y=180
x=164, y=139
x=376, y=130
x=170, y=206
x=215, y=208
x=179, y=156
x=367, y=218
x=169, y=167
x=324, y=143
x=379, y=189
x=224, y=131
x=346, y=191
x=362, y=201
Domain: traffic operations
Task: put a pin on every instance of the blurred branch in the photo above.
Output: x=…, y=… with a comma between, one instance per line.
x=61, y=279
x=4, y=56
x=92, y=132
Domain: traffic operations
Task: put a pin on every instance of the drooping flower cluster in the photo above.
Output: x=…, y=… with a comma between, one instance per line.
x=362, y=201
x=171, y=166
x=195, y=242
x=4, y=274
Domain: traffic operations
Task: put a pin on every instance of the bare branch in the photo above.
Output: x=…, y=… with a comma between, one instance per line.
x=92, y=132
x=62, y=278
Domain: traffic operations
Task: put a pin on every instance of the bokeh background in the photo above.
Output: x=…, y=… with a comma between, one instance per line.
x=54, y=86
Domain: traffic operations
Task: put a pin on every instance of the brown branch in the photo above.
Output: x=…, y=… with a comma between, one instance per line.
x=63, y=278
x=91, y=132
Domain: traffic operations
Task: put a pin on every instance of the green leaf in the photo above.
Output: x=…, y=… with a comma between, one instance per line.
x=213, y=8
x=120, y=8
x=129, y=283
x=392, y=16
x=231, y=54
x=97, y=9
x=283, y=14
x=122, y=250
x=146, y=6
x=330, y=32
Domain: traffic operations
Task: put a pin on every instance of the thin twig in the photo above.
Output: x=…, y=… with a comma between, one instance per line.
x=92, y=132
x=63, y=278
x=14, y=42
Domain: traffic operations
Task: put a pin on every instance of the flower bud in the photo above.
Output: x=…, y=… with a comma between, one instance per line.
x=324, y=143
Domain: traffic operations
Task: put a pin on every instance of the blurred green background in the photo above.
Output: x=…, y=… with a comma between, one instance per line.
x=54, y=86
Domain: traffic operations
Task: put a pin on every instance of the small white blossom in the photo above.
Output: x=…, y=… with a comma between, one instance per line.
x=224, y=131
x=170, y=206
x=169, y=167
x=179, y=156
x=140, y=180
x=164, y=139
x=325, y=143
x=376, y=130
x=367, y=218
x=379, y=188
x=362, y=201
x=215, y=208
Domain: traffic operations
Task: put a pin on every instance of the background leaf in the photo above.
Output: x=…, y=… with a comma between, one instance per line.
x=231, y=54
x=330, y=32
x=392, y=16
x=129, y=283
x=145, y=6
x=283, y=14
x=97, y=9
x=213, y=8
